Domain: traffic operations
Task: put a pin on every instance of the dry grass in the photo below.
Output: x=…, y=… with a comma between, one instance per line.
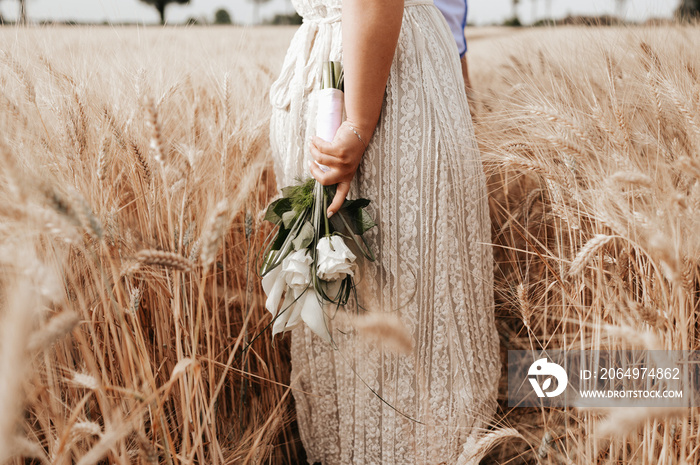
x=125, y=157
x=589, y=137
x=134, y=167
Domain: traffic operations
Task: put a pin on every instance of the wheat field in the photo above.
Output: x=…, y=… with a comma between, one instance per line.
x=135, y=165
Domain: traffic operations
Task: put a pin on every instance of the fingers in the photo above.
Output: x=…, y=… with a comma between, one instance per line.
x=323, y=158
x=322, y=145
x=341, y=190
x=317, y=173
x=340, y=193
x=327, y=178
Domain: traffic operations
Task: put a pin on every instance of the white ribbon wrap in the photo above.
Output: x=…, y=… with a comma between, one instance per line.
x=329, y=116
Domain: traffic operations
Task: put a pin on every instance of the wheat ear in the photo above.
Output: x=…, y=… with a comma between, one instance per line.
x=588, y=251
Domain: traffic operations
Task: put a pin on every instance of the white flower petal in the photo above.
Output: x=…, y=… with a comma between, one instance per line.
x=297, y=268
x=313, y=315
x=269, y=279
x=295, y=317
x=338, y=244
x=273, y=285
x=281, y=323
x=335, y=259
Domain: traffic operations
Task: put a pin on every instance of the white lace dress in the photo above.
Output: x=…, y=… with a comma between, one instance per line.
x=423, y=173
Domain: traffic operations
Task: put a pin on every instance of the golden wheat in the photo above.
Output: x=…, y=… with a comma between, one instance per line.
x=589, y=138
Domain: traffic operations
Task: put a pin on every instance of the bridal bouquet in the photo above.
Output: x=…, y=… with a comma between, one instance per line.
x=308, y=263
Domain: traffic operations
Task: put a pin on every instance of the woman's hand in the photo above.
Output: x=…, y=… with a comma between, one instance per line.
x=342, y=156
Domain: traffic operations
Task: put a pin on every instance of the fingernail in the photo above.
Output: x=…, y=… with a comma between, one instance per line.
x=329, y=214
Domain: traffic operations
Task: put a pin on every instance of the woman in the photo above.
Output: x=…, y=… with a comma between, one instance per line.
x=407, y=145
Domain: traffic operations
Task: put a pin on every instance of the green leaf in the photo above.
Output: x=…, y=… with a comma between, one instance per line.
x=351, y=205
x=281, y=237
x=269, y=257
x=288, y=218
x=337, y=222
x=302, y=195
x=344, y=223
x=288, y=191
x=363, y=222
x=276, y=209
x=270, y=214
x=360, y=221
x=305, y=236
x=283, y=206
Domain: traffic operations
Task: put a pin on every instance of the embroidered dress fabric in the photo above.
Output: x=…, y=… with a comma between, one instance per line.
x=423, y=173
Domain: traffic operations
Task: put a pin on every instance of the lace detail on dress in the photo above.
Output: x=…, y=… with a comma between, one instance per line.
x=422, y=170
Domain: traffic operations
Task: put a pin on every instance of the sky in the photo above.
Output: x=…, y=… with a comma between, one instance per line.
x=481, y=12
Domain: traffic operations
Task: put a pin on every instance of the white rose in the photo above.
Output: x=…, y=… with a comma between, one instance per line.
x=301, y=302
x=335, y=259
x=291, y=278
x=296, y=268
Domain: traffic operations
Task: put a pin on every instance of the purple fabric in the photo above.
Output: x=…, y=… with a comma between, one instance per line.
x=455, y=12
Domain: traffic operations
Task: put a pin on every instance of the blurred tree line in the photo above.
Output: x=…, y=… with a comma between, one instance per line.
x=22, y=12
x=222, y=16
x=688, y=9
x=286, y=20
x=160, y=5
x=514, y=20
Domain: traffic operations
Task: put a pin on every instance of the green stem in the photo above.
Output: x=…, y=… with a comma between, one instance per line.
x=325, y=211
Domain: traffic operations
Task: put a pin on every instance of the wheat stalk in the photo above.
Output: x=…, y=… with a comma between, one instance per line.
x=625, y=420
x=643, y=339
x=102, y=162
x=384, y=328
x=632, y=179
x=474, y=451
x=587, y=252
x=116, y=130
x=524, y=302
x=214, y=232
x=56, y=329
x=555, y=117
x=143, y=163
x=85, y=429
x=166, y=259
x=26, y=449
x=86, y=216
x=22, y=75
x=156, y=135
x=86, y=381
x=683, y=110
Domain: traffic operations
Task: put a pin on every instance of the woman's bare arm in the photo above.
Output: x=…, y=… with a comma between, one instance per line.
x=370, y=33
